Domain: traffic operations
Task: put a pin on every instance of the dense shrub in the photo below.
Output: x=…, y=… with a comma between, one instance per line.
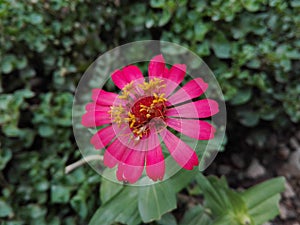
x=251, y=45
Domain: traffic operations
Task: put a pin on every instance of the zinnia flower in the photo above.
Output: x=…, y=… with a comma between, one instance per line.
x=143, y=113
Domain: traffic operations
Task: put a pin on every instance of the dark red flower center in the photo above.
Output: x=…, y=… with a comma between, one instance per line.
x=146, y=109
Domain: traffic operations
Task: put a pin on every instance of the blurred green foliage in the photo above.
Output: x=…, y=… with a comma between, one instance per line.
x=252, y=46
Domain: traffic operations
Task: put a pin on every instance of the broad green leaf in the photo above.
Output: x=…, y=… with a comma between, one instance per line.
x=196, y=216
x=262, y=192
x=262, y=200
x=167, y=219
x=109, y=189
x=266, y=211
x=156, y=200
x=181, y=179
x=122, y=208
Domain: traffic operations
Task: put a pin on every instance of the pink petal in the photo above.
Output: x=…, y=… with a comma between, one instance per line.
x=102, y=97
x=197, y=129
x=155, y=164
x=174, y=77
x=199, y=109
x=129, y=73
x=156, y=66
x=92, y=106
x=96, y=118
x=182, y=153
x=176, y=73
x=132, y=167
x=114, y=154
x=132, y=73
x=190, y=90
x=103, y=137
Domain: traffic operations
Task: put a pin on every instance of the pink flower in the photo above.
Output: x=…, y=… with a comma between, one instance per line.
x=142, y=113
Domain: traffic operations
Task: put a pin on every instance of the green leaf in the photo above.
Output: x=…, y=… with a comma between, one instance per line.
x=196, y=216
x=261, y=192
x=5, y=209
x=60, y=194
x=7, y=64
x=45, y=130
x=295, y=3
x=157, y=3
x=109, y=189
x=248, y=118
x=35, y=18
x=252, y=5
x=214, y=198
x=266, y=211
x=226, y=220
x=5, y=157
x=225, y=204
x=200, y=30
x=165, y=18
x=221, y=46
x=242, y=97
x=121, y=208
x=262, y=199
x=156, y=200
x=167, y=219
x=181, y=179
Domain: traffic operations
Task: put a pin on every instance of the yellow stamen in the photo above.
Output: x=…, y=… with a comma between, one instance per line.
x=127, y=89
x=154, y=84
x=116, y=114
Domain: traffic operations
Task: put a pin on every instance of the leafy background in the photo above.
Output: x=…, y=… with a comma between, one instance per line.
x=252, y=46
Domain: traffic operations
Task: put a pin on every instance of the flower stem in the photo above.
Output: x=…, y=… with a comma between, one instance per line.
x=81, y=162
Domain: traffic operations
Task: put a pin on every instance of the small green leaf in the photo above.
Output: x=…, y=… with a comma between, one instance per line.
x=200, y=30
x=5, y=157
x=5, y=209
x=242, y=97
x=59, y=194
x=7, y=63
x=157, y=3
x=248, y=118
x=221, y=46
x=35, y=18
x=295, y=3
x=45, y=130
x=165, y=18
